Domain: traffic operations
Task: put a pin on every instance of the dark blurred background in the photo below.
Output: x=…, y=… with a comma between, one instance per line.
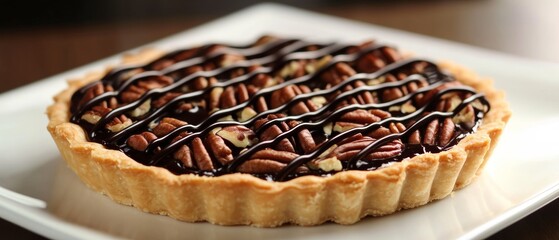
x=42, y=38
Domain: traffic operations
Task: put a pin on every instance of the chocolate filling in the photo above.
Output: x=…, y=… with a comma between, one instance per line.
x=278, y=109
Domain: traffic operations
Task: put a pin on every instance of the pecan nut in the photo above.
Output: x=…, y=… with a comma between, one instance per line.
x=97, y=90
x=140, y=142
x=201, y=155
x=166, y=125
x=337, y=73
x=304, y=138
x=261, y=166
x=275, y=155
x=135, y=91
x=273, y=131
x=348, y=150
x=183, y=154
x=220, y=150
x=359, y=116
x=436, y=132
x=119, y=123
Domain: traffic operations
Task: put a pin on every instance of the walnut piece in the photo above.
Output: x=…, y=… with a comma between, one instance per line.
x=142, y=109
x=328, y=165
x=239, y=136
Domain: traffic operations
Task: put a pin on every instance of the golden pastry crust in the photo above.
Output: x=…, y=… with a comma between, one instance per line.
x=242, y=199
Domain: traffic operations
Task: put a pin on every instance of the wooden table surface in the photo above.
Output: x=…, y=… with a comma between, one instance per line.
x=524, y=28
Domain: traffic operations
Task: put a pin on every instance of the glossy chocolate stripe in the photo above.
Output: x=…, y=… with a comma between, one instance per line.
x=172, y=147
x=339, y=137
x=379, y=142
x=306, y=78
x=240, y=79
x=177, y=84
x=271, y=57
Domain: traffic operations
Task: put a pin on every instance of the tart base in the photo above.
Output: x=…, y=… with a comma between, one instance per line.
x=241, y=199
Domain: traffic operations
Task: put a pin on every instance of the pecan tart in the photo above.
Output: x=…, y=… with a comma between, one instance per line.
x=278, y=131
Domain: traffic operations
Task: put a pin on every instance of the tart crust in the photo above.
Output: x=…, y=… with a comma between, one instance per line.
x=242, y=199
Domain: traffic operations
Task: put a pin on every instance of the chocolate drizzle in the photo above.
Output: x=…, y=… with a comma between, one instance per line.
x=269, y=57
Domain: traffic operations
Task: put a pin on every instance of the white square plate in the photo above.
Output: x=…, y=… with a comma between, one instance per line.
x=521, y=176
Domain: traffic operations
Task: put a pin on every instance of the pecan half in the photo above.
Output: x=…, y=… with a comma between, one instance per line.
x=273, y=131
x=391, y=93
x=183, y=154
x=285, y=94
x=97, y=90
x=231, y=96
x=304, y=138
x=162, y=64
x=337, y=73
x=377, y=59
x=214, y=98
x=370, y=62
x=436, y=133
x=227, y=98
x=359, y=116
x=159, y=102
x=119, y=123
x=229, y=59
x=427, y=97
x=140, y=142
x=262, y=80
x=201, y=155
x=220, y=150
x=166, y=125
x=384, y=131
x=348, y=150
x=275, y=155
x=446, y=132
x=135, y=91
x=261, y=166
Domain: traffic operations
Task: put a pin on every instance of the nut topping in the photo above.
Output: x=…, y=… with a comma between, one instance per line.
x=97, y=90
x=227, y=107
x=220, y=150
x=135, y=91
x=275, y=155
x=360, y=116
x=141, y=141
x=348, y=150
x=261, y=166
x=119, y=123
x=272, y=132
x=338, y=73
x=183, y=154
x=166, y=125
x=201, y=155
